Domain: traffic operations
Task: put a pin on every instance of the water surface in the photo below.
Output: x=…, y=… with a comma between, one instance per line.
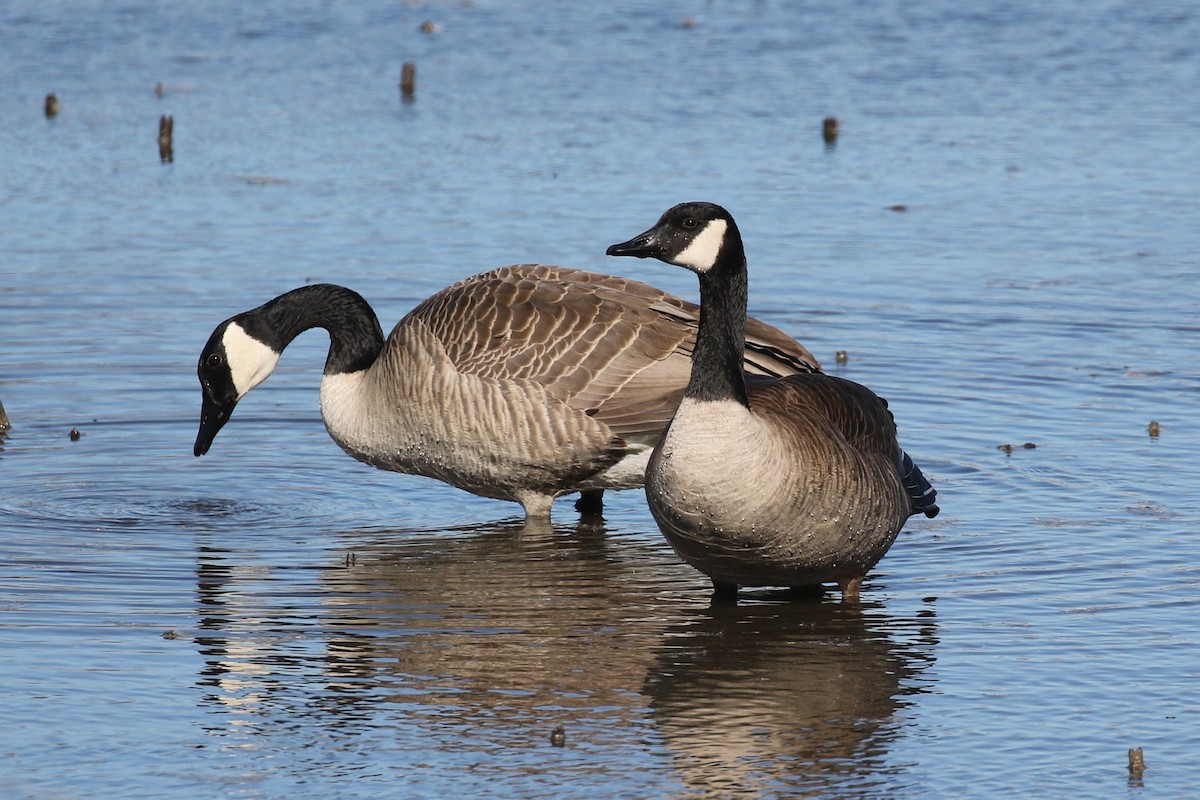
x=1003, y=240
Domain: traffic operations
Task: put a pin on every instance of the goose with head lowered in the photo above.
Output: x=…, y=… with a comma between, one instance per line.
x=523, y=383
x=790, y=481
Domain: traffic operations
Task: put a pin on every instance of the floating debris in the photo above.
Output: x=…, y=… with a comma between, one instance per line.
x=166, y=134
x=898, y=208
x=1153, y=429
x=1009, y=448
x=408, y=80
x=265, y=180
x=688, y=23
x=428, y=26
x=830, y=126
x=170, y=635
x=4, y=423
x=159, y=90
x=558, y=736
x=841, y=356
x=1146, y=507
x=51, y=106
x=75, y=434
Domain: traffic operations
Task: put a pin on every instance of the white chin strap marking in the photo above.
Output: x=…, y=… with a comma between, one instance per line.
x=250, y=361
x=701, y=254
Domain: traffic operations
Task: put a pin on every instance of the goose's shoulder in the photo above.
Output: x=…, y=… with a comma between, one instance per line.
x=851, y=409
x=770, y=351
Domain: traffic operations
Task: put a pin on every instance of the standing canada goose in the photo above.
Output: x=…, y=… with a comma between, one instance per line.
x=523, y=383
x=790, y=481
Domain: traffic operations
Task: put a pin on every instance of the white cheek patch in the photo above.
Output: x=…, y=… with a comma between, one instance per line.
x=701, y=254
x=250, y=361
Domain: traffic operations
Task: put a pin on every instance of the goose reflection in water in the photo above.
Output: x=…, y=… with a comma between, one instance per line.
x=502, y=627
x=457, y=641
x=757, y=699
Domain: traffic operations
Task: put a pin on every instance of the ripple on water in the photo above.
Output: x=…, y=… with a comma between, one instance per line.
x=113, y=507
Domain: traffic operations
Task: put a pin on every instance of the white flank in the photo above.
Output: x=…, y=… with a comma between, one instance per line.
x=250, y=361
x=630, y=471
x=701, y=254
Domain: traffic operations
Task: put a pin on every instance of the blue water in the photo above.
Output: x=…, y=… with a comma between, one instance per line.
x=1003, y=240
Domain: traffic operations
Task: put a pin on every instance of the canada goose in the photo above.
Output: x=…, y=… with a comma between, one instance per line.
x=792, y=481
x=523, y=383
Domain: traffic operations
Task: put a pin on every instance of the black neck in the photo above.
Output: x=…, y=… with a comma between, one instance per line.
x=717, y=362
x=355, y=338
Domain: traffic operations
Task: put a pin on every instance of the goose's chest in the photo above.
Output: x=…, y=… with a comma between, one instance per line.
x=710, y=452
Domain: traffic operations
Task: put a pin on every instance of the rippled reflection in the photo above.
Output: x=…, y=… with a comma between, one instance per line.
x=500, y=628
x=461, y=642
x=805, y=696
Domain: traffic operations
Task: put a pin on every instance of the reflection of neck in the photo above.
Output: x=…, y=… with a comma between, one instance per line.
x=355, y=338
x=721, y=339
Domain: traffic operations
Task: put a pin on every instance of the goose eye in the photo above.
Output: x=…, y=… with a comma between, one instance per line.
x=214, y=360
x=689, y=222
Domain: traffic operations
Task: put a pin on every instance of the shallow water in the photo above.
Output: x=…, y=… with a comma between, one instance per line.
x=276, y=619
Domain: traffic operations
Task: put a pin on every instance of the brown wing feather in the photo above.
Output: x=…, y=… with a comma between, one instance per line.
x=616, y=348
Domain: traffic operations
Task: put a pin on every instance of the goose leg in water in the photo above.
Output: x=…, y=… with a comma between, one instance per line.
x=590, y=502
x=850, y=587
x=537, y=506
x=724, y=592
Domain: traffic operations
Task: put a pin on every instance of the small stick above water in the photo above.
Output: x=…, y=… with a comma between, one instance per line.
x=408, y=80
x=166, y=132
x=51, y=105
x=829, y=130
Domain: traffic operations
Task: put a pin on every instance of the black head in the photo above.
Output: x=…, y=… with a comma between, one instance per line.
x=691, y=235
x=218, y=395
x=231, y=364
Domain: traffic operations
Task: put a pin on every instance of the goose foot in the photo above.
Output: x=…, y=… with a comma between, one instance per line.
x=590, y=502
x=850, y=587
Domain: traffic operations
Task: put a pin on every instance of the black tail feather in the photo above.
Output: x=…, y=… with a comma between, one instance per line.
x=920, y=490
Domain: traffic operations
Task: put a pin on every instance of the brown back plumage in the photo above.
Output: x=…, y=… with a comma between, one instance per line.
x=616, y=348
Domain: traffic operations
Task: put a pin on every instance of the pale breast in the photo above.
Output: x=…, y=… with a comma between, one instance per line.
x=709, y=461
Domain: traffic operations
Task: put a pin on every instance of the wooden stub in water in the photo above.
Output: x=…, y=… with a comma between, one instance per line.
x=408, y=80
x=4, y=423
x=166, y=133
x=51, y=106
x=1137, y=764
x=829, y=130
